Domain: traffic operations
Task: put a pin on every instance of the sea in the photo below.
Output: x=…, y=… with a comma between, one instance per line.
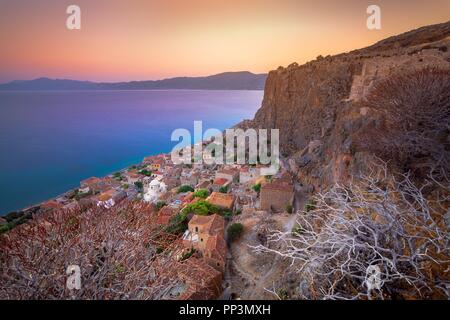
x=51, y=140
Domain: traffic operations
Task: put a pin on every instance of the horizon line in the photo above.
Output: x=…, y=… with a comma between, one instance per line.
x=129, y=81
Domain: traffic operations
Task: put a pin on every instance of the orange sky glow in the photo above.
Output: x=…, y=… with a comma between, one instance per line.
x=139, y=40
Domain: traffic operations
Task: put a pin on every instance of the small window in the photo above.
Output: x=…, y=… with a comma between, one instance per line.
x=218, y=264
x=196, y=229
x=201, y=239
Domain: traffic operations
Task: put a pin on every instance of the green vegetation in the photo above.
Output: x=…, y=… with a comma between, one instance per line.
x=223, y=189
x=139, y=185
x=160, y=204
x=289, y=208
x=257, y=187
x=125, y=186
x=119, y=268
x=5, y=228
x=235, y=231
x=188, y=254
x=201, y=193
x=159, y=250
x=146, y=172
x=12, y=224
x=297, y=230
x=117, y=175
x=177, y=224
x=283, y=294
x=238, y=212
x=185, y=188
x=310, y=205
x=201, y=208
x=78, y=195
x=226, y=214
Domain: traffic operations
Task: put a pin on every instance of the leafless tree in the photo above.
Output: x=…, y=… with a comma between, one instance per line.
x=376, y=238
x=115, y=250
x=413, y=128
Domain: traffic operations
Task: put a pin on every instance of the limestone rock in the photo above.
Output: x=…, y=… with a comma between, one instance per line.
x=316, y=106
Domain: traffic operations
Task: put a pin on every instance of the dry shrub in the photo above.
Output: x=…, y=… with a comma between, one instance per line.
x=375, y=222
x=413, y=131
x=115, y=250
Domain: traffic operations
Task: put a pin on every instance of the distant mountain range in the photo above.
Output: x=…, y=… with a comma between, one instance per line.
x=243, y=80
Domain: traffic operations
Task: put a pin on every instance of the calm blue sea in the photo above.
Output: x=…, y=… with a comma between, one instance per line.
x=49, y=141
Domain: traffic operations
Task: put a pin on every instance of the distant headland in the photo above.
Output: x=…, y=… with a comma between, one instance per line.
x=242, y=80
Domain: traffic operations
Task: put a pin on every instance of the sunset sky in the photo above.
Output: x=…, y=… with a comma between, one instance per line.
x=145, y=39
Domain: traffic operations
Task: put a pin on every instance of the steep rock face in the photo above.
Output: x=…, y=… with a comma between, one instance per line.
x=316, y=105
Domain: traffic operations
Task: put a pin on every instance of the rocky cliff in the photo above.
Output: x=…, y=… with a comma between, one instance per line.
x=317, y=106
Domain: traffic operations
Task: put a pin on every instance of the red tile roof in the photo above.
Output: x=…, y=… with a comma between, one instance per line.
x=222, y=200
x=214, y=223
x=90, y=181
x=278, y=185
x=165, y=214
x=221, y=181
x=216, y=248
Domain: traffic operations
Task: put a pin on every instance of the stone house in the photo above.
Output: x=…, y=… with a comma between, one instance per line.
x=132, y=177
x=224, y=201
x=275, y=196
x=206, y=184
x=92, y=184
x=206, y=234
x=155, y=163
x=110, y=198
x=200, y=228
x=230, y=174
x=247, y=174
x=189, y=178
x=215, y=252
x=220, y=183
x=171, y=182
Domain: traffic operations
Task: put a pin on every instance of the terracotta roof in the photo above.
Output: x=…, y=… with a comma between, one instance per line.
x=133, y=174
x=223, y=200
x=203, y=185
x=221, y=181
x=188, y=197
x=91, y=181
x=165, y=214
x=167, y=211
x=149, y=158
x=216, y=247
x=214, y=223
x=106, y=195
x=278, y=185
x=228, y=171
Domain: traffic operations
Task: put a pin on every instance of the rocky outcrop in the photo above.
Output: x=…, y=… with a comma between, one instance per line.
x=316, y=105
